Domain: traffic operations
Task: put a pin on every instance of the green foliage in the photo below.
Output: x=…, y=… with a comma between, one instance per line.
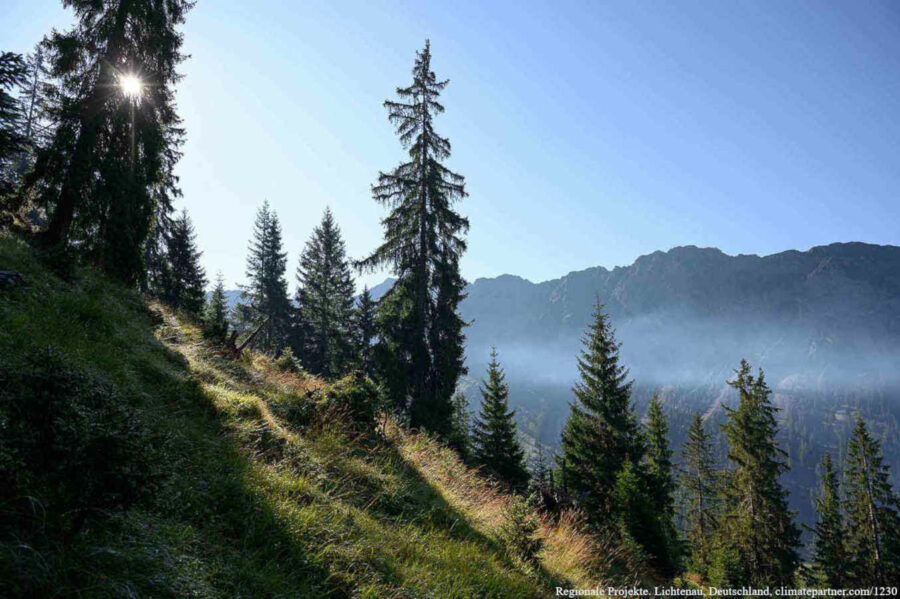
x=249, y=505
x=268, y=303
x=350, y=402
x=666, y=549
x=460, y=435
x=601, y=433
x=364, y=321
x=184, y=282
x=757, y=524
x=495, y=441
x=324, y=318
x=215, y=321
x=70, y=442
x=13, y=72
x=420, y=356
x=699, y=482
x=873, y=523
x=518, y=533
x=830, y=556
x=107, y=173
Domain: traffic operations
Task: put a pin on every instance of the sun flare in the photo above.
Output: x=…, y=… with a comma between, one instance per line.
x=131, y=85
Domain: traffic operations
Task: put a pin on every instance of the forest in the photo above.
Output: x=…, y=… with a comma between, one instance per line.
x=158, y=442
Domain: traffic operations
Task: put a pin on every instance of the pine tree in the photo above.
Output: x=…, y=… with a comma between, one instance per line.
x=186, y=279
x=757, y=525
x=364, y=320
x=873, y=524
x=109, y=167
x=421, y=345
x=662, y=487
x=216, y=319
x=459, y=437
x=830, y=557
x=325, y=302
x=268, y=304
x=13, y=72
x=601, y=432
x=495, y=441
x=698, y=479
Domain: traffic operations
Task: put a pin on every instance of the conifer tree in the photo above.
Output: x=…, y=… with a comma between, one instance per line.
x=601, y=432
x=698, y=479
x=325, y=302
x=216, y=318
x=830, y=555
x=661, y=490
x=268, y=304
x=109, y=167
x=495, y=441
x=364, y=318
x=873, y=524
x=13, y=72
x=659, y=460
x=460, y=437
x=186, y=280
x=757, y=525
x=421, y=344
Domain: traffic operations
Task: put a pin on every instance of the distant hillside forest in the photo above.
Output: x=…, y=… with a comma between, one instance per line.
x=226, y=455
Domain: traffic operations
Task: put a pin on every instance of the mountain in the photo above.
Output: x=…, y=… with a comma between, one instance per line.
x=824, y=324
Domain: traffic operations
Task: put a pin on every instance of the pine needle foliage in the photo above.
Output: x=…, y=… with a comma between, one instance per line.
x=268, y=303
x=601, y=432
x=495, y=441
x=699, y=482
x=873, y=524
x=324, y=329
x=421, y=346
x=108, y=171
x=757, y=526
x=830, y=557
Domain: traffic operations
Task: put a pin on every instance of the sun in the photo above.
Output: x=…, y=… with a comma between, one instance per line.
x=131, y=85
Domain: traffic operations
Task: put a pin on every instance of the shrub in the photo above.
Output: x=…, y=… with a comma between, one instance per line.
x=518, y=533
x=352, y=401
x=287, y=362
x=69, y=440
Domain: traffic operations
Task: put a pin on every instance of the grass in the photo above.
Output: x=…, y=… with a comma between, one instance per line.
x=249, y=502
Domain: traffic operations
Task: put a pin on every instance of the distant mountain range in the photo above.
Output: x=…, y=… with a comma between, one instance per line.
x=824, y=324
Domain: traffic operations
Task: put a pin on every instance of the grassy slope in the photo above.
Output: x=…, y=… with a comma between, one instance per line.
x=250, y=506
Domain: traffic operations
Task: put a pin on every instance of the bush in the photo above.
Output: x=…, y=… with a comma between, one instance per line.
x=287, y=362
x=352, y=400
x=70, y=441
x=518, y=533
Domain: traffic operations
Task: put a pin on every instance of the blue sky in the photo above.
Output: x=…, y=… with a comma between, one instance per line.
x=589, y=132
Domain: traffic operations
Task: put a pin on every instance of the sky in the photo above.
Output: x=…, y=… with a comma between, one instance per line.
x=589, y=133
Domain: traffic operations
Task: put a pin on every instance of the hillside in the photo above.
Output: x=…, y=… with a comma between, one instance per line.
x=136, y=461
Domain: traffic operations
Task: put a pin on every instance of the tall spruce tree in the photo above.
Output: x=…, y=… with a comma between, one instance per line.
x=601, y=432
x=324, y=326
x=699, y=481
x=215, y=321
x=109, y=167
x=364, y=321
x=757, y=525
x=13, y=73
x=268, y=304
x=873, y=524
x=421, y=345
x=661, y=491
x=185, y=281
x=830, y=557
x=495, y=441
